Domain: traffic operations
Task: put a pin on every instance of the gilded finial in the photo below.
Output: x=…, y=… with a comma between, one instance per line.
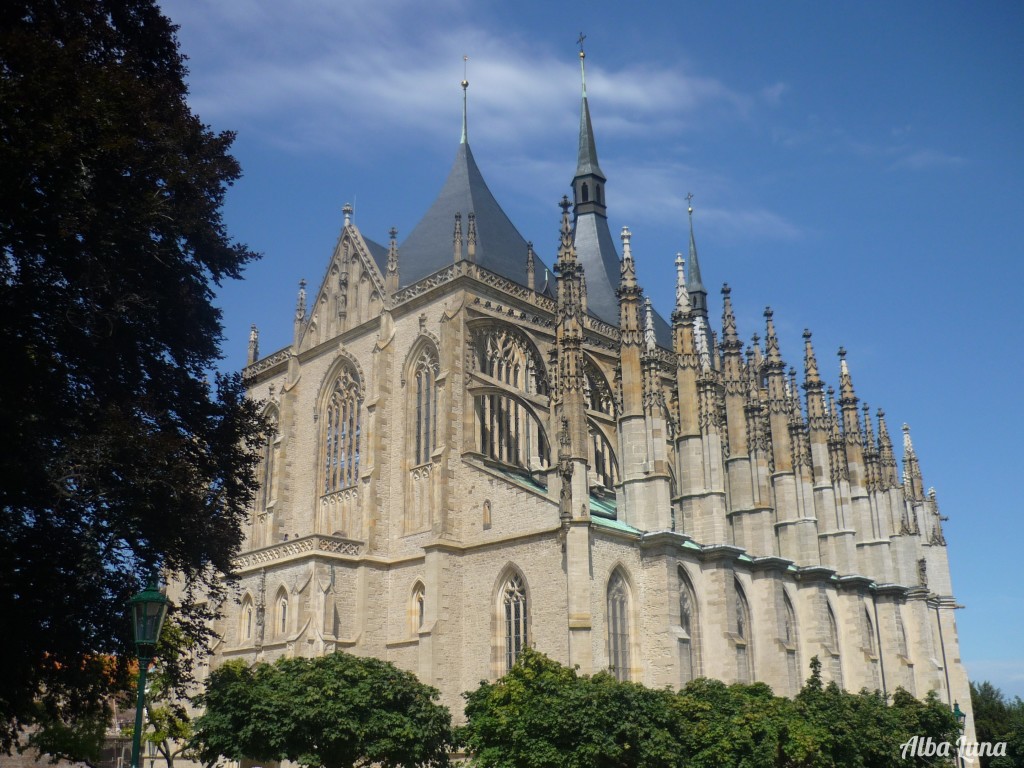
x=689, y=203
x=583, y=55
x=465, y=88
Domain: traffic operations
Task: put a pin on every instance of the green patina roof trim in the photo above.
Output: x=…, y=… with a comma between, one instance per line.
x=617, y=525
x=603, y=507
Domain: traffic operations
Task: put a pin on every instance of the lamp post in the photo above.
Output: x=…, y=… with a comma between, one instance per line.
x=149, y=607
x=961, y=720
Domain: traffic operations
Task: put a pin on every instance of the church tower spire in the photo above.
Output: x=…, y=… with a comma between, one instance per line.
x=588, y=185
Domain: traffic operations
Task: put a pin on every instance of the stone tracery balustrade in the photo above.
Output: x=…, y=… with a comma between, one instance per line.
x=285, y=549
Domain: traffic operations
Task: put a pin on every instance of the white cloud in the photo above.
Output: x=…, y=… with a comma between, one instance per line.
x=924, y=159
x=311, y=75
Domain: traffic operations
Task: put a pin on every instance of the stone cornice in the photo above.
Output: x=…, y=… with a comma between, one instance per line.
x=332, y=546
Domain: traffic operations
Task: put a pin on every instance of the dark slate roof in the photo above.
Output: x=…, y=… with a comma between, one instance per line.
x=595, y=250
x=379, y=253
x=587, y=162
x=499, y=246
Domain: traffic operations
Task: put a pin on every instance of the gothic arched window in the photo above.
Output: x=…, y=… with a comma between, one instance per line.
x=513, y=615
x=424, y=404
x=688, y=649
x=268, y=462
x=506, y=428
x=341, y=433
x=418, y=608
x=248, y=620
x=618, y=626
x=744, y=665
x=282, y=613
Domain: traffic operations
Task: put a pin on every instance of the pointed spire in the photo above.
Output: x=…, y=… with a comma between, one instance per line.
x=911, y=468
x=794, y=397
x=566, y=248
x=300, y=303
x=886, y=455
x=811, y=378
x=392, y=251
x=587, y=161
x=254, y=344
x=693, y=280
x=530, y=266
x=471, y=238
x=628, y=270
x=465, y=88
x=731, y=340
x=773, y=354
x=700, y=338
x=457, y=237
x=682, y=295
x=833, y=415
x=756, y=356
x=391, y=272
x=846, y=393
x=649, y=340
x=868, y=441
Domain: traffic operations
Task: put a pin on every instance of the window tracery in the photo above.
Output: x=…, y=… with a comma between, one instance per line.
x=341, y=433
x=424, y=403
x=514, y=618
x=618, y=626
x=506, y=430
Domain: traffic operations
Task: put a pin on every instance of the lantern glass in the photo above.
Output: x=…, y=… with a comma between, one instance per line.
x=149, y=608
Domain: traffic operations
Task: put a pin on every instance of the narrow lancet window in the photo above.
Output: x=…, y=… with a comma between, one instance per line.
x=425, y=377
x=618, y=627
x=514, y=615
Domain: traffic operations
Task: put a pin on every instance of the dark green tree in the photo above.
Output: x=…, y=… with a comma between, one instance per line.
x=542, y=715
x=120, y=455
x=335, y=711
x=997, y=719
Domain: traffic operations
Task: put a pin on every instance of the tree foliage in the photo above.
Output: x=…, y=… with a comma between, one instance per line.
x=121, y=457
x=997, y=719
x=336, y=711
x=543, y=715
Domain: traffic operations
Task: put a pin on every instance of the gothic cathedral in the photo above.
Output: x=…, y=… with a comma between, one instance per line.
x=471, y=454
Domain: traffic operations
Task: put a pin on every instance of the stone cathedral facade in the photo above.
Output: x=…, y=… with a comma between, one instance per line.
x=473, y=453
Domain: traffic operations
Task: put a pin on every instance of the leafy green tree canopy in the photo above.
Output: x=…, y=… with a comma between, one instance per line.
x=121, y=457
x=543, y=715
x=997, y=719
x=335, y=711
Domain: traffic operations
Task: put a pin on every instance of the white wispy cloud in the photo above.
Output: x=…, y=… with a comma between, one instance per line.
x=313, y=75
x=923, y=159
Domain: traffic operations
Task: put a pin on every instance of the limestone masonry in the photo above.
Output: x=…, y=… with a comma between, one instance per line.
x=470, y=458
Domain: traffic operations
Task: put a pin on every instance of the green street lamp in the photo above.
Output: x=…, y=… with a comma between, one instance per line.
x=149, y=608
x=959, y=714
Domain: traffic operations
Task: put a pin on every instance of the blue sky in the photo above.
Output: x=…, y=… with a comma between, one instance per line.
x=857, y=166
